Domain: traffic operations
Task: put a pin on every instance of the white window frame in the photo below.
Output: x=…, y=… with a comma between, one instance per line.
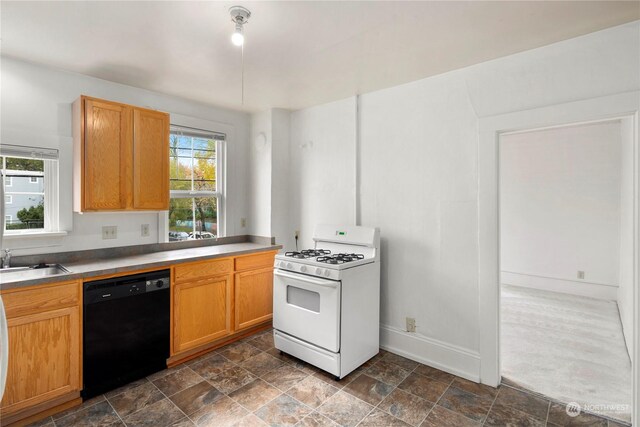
x=10, y=183
x=225, y=225
x=31, y=180
x=219, y=193
x=8, y=199
x=51, y=190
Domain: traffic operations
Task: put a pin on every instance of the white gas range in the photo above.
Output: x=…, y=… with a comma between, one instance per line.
x=326, y=300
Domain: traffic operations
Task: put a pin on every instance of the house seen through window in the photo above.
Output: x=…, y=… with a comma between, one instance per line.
x=24, y=202
x=195, y=183
x=29, y=174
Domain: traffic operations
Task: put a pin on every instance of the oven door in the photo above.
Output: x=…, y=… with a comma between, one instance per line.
x=307, y=308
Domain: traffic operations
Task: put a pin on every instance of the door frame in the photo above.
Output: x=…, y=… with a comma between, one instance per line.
x=624, y=105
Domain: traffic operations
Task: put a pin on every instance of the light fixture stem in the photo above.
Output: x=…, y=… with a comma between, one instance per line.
x=242, y=75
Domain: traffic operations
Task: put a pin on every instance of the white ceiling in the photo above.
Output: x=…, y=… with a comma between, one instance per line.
x=298, y=53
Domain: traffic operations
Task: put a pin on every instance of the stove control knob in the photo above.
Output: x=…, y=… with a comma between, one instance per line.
x=319, y=271
x=327, y=273
x=289, y=265
x=303, y=268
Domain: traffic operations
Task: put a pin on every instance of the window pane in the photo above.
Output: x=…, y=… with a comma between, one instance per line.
x=193, y=218
x=193, y=163
x=180, y=219
x=32, y=165
x=24, y=201
x=180, y=173
x=204, y=162
x=206, y=215
x=26, y=211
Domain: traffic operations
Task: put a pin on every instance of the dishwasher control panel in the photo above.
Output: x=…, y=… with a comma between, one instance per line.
x=121, y=287
x=155, y=284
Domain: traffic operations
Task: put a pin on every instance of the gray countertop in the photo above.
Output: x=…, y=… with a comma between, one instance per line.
x=124, y=264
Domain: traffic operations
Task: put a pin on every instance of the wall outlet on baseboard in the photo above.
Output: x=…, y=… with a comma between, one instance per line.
x=109, y=232
x=296, y=234
x=243, y=222
x=411, y=324
x=580, y=274
x=144, y=230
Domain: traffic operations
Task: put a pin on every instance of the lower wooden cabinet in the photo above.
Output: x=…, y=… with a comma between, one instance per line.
x=213, y=302
x=201, y=311
x=44, y=367
x=219, y=299
x=253, y=297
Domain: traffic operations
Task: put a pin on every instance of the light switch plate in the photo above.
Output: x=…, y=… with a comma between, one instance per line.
x=109, y=232
x=144, y=230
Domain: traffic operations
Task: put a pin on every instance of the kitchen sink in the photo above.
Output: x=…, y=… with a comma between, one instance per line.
x=13, y=274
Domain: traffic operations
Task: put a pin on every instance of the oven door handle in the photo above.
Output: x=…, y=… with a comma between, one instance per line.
x=306, y=279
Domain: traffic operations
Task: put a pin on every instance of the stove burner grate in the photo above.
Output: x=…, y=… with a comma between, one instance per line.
x=307, y=253
x=339, y=258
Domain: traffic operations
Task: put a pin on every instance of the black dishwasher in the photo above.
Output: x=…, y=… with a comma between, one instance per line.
x=125, y=331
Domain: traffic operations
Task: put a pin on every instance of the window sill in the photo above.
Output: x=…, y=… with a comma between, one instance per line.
x=34, y=234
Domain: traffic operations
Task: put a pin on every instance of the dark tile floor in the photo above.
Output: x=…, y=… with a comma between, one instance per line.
x=249, y=383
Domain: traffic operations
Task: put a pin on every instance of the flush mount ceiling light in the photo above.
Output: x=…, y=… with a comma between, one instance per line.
x=239, y=15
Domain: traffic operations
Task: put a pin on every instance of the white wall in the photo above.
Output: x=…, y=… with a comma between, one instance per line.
x=419, y=185
x=322, y=166
x=36, y=110
x=269, y=172
x=281, y=186
x=625, y=290
x=418, y=167
x=259, y=172
x=560, y=208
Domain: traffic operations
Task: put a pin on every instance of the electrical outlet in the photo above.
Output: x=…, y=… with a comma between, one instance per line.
x=580, y=274
x=411, y=324
x=144, y=230
x=109, y=232
x=296, y=234
x=243, y=222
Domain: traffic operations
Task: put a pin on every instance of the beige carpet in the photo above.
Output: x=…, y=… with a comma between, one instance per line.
x=566, y=347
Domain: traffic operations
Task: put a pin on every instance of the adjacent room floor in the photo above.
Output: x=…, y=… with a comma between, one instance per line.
x=249, y=383
x=566, y=347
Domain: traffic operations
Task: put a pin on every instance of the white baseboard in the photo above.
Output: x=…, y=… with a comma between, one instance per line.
x=446, y=357
x=627, y=328
x=573, y=287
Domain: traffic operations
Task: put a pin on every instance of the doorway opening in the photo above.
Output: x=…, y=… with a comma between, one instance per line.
x=566, y=256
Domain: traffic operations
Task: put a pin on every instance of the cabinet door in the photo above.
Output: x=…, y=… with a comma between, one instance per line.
x=150, y=160
x=202, y=312
x=107, y=155
x=44, y=358
x=253, y=297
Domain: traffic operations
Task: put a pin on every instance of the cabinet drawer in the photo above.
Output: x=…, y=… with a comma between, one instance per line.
x=251, y=262
x=42, y=298
x=196, y=270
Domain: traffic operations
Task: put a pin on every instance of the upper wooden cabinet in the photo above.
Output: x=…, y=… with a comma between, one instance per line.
x=121, y=157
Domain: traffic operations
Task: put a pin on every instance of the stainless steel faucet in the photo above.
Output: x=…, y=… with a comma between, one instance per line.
x=6, y=258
